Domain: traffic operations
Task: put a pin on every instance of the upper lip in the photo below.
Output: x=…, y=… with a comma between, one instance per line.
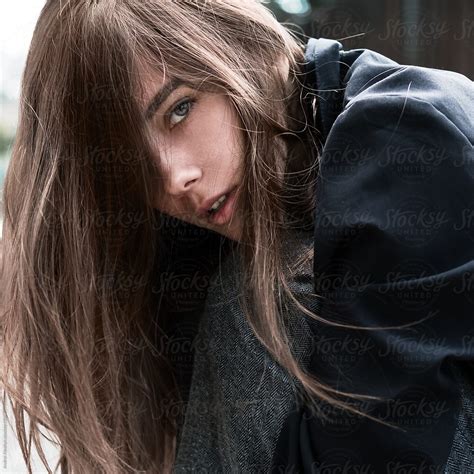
x=206, y=205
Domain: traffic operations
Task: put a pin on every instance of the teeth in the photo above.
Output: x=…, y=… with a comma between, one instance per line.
x=218, y=203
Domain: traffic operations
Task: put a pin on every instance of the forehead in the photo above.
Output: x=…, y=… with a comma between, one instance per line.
x=150, y=79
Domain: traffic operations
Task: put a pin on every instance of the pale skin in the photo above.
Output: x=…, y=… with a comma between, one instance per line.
x=197, y=143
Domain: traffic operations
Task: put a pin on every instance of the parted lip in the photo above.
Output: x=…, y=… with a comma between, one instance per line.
x=206, y=205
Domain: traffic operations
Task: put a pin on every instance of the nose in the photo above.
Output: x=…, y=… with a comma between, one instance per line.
x=181, y=179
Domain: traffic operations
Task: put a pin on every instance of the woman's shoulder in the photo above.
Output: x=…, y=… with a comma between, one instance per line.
x=373, y=79
x=343, y=78
x=397, y=173
x=396, y=180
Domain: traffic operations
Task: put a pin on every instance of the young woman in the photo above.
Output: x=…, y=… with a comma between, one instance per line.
x=137, y=121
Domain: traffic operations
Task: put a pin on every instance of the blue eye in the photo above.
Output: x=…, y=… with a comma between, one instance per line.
x=181, y=111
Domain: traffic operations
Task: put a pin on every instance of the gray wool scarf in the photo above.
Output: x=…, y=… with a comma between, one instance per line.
x=239, y=396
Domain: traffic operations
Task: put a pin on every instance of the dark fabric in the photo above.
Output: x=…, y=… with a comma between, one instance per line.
x=461, y=457
x=188, y=256
x=394, y=243
x=239, y=396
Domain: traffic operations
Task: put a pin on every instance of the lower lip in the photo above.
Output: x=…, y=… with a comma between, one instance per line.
x=225, y=212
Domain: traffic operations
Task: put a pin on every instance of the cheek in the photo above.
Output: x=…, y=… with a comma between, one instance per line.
x=215, y=126
x=218, y=143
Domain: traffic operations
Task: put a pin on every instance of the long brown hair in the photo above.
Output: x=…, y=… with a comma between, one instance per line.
x=79, y=348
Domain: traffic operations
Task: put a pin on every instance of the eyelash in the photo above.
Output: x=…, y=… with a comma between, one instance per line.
x=188, y=101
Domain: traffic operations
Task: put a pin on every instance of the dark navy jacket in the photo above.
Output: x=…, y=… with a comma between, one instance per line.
x=394, y=244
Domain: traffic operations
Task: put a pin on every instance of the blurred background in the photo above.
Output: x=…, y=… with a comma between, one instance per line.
x=430, y=33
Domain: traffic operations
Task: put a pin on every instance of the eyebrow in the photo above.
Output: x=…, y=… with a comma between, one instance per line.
x=161, y=96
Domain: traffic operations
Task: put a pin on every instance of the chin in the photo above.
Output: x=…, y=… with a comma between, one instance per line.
x=234, y=233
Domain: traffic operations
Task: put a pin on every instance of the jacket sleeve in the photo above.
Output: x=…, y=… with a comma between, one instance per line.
x=394, y=244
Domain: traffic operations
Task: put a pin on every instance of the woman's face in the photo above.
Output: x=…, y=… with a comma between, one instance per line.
x=197, y=144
